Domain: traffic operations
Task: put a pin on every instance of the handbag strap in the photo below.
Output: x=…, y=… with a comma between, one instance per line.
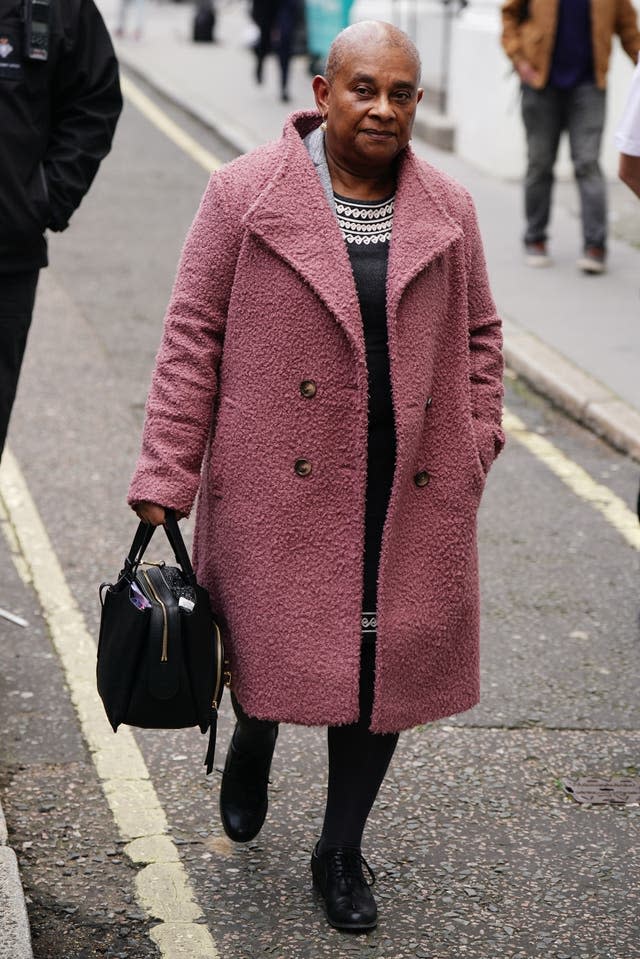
x=180, y=552
x=142, y=539
x=140, y=542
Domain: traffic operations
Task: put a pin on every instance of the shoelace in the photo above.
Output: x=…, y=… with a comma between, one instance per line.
x=347, y=864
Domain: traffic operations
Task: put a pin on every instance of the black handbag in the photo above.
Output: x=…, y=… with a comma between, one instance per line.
x=160, y=652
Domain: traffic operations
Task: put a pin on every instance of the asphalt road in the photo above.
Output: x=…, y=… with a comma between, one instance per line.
x=478, y=852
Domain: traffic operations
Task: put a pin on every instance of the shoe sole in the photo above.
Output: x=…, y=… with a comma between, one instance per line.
x=588, y=266
x=537, y=261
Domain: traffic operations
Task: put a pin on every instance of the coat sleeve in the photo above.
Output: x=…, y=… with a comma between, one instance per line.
x=485, y=348
x=86, y=104
x=181, y=400
x=627, y=28
x=511, y=26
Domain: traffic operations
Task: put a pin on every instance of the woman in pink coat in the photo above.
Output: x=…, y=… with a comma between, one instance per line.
x=329, y=380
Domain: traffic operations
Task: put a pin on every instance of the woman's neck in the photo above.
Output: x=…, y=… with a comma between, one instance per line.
x=354, y=186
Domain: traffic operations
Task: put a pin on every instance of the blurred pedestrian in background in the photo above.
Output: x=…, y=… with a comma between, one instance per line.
x=628, y=137
x=560, y=49
x=276, y=21
x=59, y=104
x=330, y=380
x=136, y=8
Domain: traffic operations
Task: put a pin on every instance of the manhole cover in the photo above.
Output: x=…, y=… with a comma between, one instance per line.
x=622, y=791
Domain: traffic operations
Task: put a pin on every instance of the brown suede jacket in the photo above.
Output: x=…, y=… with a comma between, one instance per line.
x=532, y=40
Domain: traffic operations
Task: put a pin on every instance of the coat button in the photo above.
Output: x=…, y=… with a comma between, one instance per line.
x=428, y=402
x=421, y=478
x=308, y=389
x=303, y=467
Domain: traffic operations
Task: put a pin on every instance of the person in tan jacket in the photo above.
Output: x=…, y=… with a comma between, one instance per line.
x=560, y=50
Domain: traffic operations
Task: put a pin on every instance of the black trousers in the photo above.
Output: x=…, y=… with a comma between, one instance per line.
x=270, y=15
x=17, y=296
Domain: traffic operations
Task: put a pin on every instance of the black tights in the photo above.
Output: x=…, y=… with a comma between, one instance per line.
x=358, y=762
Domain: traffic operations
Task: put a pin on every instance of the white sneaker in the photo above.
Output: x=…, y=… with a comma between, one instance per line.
x=593, y=260
x=536, y=255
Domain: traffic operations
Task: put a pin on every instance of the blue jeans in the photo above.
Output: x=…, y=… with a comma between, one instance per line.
x=546, y=114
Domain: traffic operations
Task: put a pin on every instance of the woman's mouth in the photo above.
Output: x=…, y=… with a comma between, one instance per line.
x=379, y=134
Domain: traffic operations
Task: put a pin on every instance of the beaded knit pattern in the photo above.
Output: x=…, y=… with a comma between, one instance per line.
x=365, y=223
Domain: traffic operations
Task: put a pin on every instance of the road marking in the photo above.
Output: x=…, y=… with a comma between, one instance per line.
x=614, y=509
x=162, y=885
x=166, y=125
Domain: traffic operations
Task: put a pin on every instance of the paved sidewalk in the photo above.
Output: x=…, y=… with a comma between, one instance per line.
x=15, y=937
x=574, y=337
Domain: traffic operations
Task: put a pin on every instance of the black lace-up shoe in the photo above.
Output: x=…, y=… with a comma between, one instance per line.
x=244, y=790
x=348, y=900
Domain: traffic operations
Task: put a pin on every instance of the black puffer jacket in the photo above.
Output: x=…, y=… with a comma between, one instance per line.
x=57, y=119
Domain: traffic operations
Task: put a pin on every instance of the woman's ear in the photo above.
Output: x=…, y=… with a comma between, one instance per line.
x=321, y=88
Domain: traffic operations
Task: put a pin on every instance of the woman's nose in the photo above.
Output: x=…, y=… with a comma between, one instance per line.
x=382, y=107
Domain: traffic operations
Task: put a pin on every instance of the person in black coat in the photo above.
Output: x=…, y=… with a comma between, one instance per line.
x=276, y=21
x=59, y=104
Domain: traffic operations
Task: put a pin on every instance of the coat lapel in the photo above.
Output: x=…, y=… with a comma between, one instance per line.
x=293, y=218
x=422, y=229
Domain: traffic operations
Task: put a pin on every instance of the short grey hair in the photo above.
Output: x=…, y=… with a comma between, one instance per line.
x=368, y=32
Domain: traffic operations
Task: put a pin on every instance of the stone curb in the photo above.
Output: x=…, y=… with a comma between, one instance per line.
x=572, y=390
x=579, y=395
x=15, y=936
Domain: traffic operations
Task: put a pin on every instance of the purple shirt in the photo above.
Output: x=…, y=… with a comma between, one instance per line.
x=572, y=61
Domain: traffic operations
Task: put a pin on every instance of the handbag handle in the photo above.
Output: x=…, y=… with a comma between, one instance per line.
x=142, y=539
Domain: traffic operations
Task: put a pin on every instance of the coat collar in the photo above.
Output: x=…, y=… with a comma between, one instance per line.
x=292, y=217
x=422, y=227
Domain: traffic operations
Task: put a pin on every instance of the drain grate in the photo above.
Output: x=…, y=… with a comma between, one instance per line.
x=598, y=791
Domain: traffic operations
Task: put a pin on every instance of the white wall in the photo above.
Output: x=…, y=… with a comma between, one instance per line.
x=483, y=100
x=422, y=20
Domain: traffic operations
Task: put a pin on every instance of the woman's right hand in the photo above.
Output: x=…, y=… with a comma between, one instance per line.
x=150, y=513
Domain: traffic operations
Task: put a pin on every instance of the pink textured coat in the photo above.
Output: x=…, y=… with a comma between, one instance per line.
x=265, y=299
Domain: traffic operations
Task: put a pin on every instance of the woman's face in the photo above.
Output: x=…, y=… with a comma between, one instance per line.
x=369, y=107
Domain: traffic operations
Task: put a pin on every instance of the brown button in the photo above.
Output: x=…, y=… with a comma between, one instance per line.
x=421, y=478
x=303, y=467
x=428, y=403
x=308, y=389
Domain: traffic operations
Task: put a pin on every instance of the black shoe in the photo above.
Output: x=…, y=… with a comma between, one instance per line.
x=243, y=793
x=284, y=96
x=348, y=900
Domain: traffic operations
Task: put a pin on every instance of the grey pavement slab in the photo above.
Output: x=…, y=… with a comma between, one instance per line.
x=15, y=937
x=590, y=324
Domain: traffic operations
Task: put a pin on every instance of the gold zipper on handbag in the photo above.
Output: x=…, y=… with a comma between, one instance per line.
x=214, y=704
x=165, y=630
